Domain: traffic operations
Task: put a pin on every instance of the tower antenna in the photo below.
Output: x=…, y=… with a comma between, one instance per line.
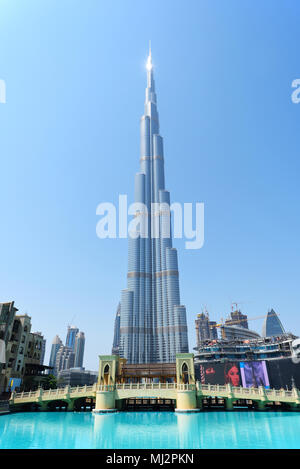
x=72, y=321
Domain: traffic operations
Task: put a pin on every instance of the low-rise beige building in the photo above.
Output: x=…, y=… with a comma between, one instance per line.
x=24, y=348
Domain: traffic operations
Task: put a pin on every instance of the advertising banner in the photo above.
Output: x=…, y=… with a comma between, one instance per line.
x=254, y=374
x=219, y=373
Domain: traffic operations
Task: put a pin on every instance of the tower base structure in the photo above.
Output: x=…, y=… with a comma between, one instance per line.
x=105, y=401
x=186, y=399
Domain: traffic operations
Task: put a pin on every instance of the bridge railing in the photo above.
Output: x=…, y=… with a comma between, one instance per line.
x=210, y=387
x=24, y=395
x=105, y=387
x=136, y=386
x=236, y=390
x=186, y=387
x=205, y=389
x=44, y=393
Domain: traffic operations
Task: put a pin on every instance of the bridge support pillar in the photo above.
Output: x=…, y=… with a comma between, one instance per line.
x=293, y=405
x=228, y=404
x=43, y=406
x=296, y=395
x=71, y=405
x=199, y=402
x=119, y=404
x=105, y=400
x=186, y=401
x=261, y=405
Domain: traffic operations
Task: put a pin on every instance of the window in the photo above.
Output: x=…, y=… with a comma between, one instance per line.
x=16, y=326
x=185, y=373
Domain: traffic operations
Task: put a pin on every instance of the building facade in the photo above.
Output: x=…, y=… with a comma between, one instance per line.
x=56, y=344
x=237, y=318
x=71, y=335
x=79, y=349
x=237, y=332
x=23, y=352
x=65, y=359
x=7, y=316
x=205, y=329
x=77, y=377
x=272, y=325
x=262, y=348
x=116, y=341
x=43, y=348
x=153, y=324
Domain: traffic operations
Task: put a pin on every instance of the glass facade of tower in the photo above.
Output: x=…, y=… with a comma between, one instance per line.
x=71, y=335
x=79, y=349
x=152, y=322
x=272, y=325
x=56, y=344
x=116, y=341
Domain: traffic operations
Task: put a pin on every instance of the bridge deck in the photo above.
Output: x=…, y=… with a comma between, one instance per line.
x=157, y=390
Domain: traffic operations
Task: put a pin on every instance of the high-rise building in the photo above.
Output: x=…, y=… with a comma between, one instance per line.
x=79, y=349
x=202, y=328
x=65, y=358
x=213, y=330
x=153, y=324
x=43, y=352
x=71, y=334
x=272, y=325
x=70, y=355
x=205, y=329
x=237, y=319
x=56, y=344
x=116, y=342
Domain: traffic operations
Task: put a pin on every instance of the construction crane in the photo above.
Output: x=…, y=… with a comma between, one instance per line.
x=233, y=322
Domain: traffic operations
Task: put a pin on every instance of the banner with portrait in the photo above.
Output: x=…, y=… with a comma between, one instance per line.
x=219, y=373
x=254, y=374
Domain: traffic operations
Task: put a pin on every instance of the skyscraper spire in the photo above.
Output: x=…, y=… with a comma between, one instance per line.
x=152, y=321
x=149, y=67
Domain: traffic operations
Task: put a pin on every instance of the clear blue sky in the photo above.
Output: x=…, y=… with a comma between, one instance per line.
x=69, y=139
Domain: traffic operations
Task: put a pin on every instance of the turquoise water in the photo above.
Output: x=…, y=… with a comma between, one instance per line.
x=153, y=430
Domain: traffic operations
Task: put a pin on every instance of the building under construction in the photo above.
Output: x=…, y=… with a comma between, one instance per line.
x=243, y=358
x=236, y=327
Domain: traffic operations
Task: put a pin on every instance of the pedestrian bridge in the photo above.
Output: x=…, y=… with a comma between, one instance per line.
x=118, y=382
x=187, y=396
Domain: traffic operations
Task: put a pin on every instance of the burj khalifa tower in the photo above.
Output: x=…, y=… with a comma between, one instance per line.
x=153, y=324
